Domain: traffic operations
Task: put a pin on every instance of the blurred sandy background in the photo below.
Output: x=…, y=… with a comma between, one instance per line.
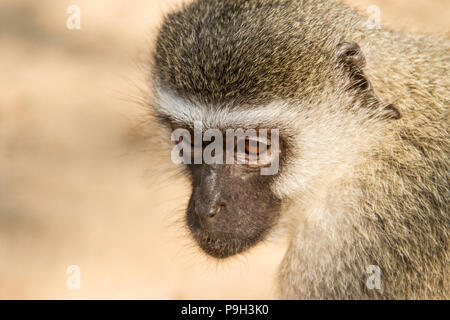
x=79, y=182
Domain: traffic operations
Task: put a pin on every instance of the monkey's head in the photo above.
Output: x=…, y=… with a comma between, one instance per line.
x=221, y=66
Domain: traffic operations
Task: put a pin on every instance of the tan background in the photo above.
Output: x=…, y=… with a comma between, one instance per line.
x=79, y=182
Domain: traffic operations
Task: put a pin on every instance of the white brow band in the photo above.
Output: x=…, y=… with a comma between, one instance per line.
x=186, y=112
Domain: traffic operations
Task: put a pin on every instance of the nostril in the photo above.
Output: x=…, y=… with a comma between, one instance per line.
x=215, y=210
x=212, y=212
x=220, y=207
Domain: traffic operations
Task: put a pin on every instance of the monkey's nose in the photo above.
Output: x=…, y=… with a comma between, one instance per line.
x=208, y=213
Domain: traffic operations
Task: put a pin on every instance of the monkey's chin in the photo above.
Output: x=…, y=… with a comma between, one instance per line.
x=222, y=248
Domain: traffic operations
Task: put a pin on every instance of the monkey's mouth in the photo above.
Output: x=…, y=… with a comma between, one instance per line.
x=228, y=235
x=221, y=247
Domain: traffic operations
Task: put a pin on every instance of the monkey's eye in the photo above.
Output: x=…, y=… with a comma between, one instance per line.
x=256, y=151
x=187, y=136
x=253, y=147
x=188, y=141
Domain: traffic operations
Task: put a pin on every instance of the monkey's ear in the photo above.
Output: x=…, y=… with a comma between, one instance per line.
x=351, y=55
x=352, y=58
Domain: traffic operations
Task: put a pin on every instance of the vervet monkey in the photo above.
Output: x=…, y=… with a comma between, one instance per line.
x=362, y=116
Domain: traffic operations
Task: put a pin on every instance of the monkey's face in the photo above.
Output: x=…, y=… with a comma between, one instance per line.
x=231, y=208
x=221, y=75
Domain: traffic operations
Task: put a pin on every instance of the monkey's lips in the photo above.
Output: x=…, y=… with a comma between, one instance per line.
x=222, y=247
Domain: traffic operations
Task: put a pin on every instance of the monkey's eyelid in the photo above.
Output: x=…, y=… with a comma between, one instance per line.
x=189, y=143
x=258, y=140
x=258, y=148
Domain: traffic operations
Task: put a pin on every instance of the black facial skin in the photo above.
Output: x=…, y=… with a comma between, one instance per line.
x=231, y=208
